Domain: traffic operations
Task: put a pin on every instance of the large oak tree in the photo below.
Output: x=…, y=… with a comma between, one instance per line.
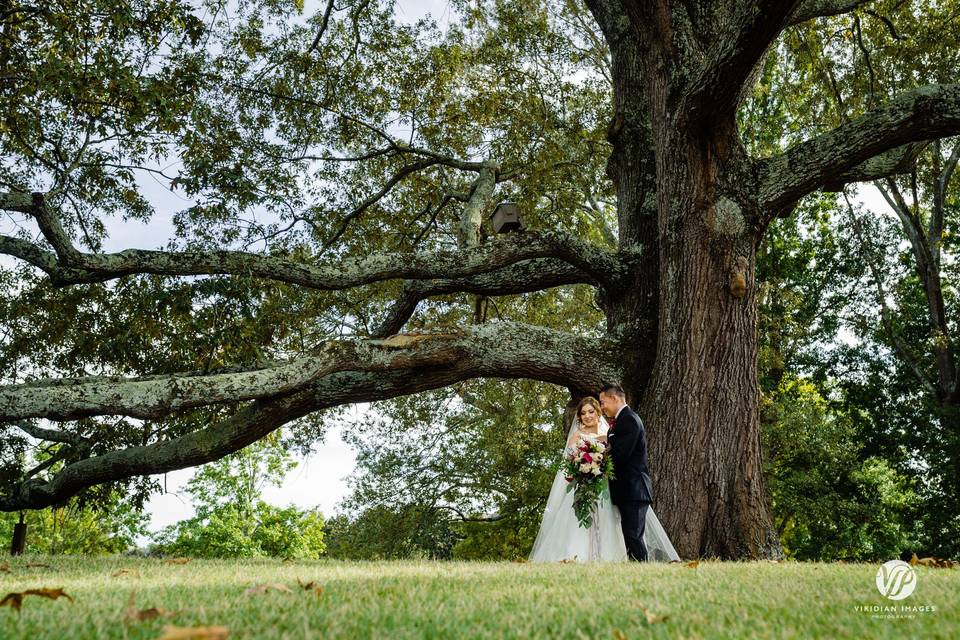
x=298, y=122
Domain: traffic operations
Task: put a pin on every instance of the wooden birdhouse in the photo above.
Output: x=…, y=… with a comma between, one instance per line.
x=506, y=218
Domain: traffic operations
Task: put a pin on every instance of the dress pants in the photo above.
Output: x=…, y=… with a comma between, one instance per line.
x=633, y=520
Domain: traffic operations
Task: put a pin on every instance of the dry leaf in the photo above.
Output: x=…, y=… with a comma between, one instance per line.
x=263, y=588
x=176, y=561
x=934, y=563
x=914, y=560
x=148, y=614
x=311, y=586
x=520, y=559
x=125, y=572
x=618, y=635
x=653, y=618
x=194, y=633
x=140, y=615
x=5, y=567
x=693, y=564
x=15, y=600
x=53, y=594
x=12, y=600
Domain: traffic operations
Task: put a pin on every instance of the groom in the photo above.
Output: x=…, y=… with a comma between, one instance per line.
x=631, y=488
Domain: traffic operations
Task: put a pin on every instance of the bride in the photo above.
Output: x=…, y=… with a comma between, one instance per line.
x=562, y=538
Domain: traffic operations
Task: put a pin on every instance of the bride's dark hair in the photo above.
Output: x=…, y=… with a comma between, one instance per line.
x=591, y=401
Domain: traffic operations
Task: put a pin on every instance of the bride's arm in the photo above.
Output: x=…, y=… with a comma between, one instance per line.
x=573, y=438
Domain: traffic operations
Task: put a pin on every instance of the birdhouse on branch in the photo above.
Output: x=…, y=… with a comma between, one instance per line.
x=506, y=218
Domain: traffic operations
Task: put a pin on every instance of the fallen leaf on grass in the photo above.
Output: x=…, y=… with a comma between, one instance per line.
x=653, y=618
x=148, y=614
x=5, y=567
x=693, y=564
x=194, y=633
x=15, y=599
x=125, y=572
x=263, y=588
x=619, y=635
x=520, y=559
x=139, y=615
x=306, y=586
x=933, y=563
x=311, y=586
x=176, y=561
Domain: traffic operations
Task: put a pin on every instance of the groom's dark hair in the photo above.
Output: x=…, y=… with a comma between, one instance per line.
x=613, y=389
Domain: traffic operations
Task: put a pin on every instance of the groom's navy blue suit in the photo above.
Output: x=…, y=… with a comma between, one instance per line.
x=631, y=488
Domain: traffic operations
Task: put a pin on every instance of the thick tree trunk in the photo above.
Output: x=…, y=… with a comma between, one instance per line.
x=689, y=338
x=631, y=311
x=701, y=406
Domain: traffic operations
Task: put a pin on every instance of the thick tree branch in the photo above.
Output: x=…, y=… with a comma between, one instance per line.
x=76, y=267
x=922, y=114
x=893, y=162
x=471, y=219
x=158, y=396
x=713, y=96
x=500, y=349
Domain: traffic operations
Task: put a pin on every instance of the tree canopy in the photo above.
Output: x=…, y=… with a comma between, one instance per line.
x=334, y=168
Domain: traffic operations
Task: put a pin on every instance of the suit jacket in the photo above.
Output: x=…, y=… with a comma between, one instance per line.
x=628, y=449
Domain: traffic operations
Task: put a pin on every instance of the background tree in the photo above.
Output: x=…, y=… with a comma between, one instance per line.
x=92, y=524
x=233, y=520
x=300, y=187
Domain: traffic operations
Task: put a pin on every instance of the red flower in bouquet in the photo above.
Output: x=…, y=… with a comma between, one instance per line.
x=587, y=469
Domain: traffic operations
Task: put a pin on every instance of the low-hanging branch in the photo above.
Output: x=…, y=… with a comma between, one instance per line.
x=159, y=396
x=69, y=266
x=423, y=362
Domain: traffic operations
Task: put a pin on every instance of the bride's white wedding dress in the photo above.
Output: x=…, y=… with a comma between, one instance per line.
x=562, y=538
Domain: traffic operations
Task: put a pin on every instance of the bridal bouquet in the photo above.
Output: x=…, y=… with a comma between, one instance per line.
x=587, y=468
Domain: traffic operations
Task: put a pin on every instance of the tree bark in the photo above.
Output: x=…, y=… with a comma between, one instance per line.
x=701, y=407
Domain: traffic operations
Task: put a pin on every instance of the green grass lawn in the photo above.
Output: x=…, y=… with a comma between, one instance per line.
x=474, y=600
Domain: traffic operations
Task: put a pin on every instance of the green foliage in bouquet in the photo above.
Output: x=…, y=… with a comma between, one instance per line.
x=587, y=468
